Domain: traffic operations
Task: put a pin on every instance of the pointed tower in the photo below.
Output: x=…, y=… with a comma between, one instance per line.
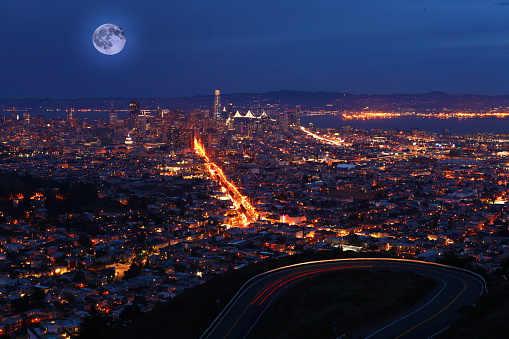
x=113, y=116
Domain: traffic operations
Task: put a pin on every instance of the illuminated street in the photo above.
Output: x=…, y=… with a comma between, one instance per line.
x=241, y=203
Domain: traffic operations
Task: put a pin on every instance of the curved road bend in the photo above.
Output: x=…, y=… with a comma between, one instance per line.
x=455, y=289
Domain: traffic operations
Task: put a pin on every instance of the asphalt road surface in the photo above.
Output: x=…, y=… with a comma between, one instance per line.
x=455, y=289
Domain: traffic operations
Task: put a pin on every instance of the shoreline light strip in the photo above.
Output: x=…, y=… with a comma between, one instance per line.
x=316, y=136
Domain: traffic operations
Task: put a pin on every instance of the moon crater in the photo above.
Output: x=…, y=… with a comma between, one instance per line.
x=109, y=39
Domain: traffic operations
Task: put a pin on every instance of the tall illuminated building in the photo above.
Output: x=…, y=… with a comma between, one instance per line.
x=282, y=120
x=195, y=119
x=71, y=118
x=26, y=118
x=210, y=138
x=159, y=113
x=290, y=116
x=113, y=116
x=264, y=121
x=217, y=104
x=229, y=111
x=134, y=112
x=156, y=123
x=186, y=138
x=134, y=108
x=141, y=128
x=172, y=137
x=177, y=118
x=297, y=116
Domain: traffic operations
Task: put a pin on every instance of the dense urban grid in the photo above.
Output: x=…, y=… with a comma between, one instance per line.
x=112, y=216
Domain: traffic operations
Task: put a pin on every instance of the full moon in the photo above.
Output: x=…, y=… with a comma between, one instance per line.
x=109, y=39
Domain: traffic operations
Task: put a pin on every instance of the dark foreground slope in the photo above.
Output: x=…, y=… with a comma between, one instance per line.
x=490, y=317
x=345, y=302
x=189, y=314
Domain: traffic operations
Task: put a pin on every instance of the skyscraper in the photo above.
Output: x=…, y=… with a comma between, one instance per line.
x=134, y=111
x=229, y=111
x=177, y=118
x=282, y=120
x=265, y=121
x=141, y=128
x=217, y=104
x=186, y=138
x=172, y=137
x=210, y=138
x=71, y=118
x=113, y=116
x=156, y=122
x=297, y=116
x=195, y=119
x=290, y=116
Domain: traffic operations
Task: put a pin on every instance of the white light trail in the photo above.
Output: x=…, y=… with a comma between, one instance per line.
x=316, y=136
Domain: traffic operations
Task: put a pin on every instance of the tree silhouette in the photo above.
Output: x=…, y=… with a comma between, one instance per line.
x=98, y=326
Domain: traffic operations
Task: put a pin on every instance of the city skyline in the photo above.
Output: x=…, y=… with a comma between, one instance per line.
x=127, y=212
x=193, y=48
x=256, y=168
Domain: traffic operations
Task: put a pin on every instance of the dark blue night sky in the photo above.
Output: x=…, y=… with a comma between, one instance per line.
x=192, y=47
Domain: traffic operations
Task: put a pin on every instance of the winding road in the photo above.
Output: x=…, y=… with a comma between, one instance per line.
x=455, y=289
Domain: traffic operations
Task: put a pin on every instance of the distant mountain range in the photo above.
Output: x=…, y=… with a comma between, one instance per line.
x=433, y=102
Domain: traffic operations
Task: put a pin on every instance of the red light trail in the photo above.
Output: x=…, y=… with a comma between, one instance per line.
x=291, y=279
